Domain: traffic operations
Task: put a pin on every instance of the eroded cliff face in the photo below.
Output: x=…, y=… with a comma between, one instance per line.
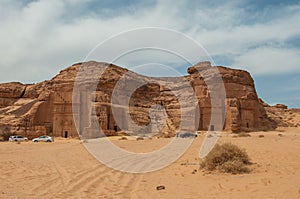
x=46, y=107
x=244, y=112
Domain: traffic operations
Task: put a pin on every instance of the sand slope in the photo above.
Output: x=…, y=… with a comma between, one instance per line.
x=65, y=169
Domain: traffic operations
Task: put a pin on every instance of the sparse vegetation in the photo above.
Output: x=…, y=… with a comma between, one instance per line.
x=123, y=138
x=5, y=133
x=227, y=158
x=234, y=167
x=242, y=135
x=139, y=138
x=261, y=136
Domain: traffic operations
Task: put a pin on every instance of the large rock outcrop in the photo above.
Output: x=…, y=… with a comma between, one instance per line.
x=46, y=107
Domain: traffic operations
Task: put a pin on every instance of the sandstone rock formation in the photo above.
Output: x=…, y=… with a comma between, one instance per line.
x=46, y=107
x=281, y=116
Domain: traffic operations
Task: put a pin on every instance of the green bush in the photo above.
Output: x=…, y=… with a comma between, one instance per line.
x=227, y=158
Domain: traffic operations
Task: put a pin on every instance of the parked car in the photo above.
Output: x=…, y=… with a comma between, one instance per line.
x=17, y=138
x=44, y=138
x=187, y=135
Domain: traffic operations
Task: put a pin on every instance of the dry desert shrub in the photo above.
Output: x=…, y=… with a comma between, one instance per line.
x=261, y=136
x=5, y=132
x=5, y=136
x=280, y=130
x=234, y=167
x=242, y=135
x=139, y=138
x=123, y=138
x=227, y=158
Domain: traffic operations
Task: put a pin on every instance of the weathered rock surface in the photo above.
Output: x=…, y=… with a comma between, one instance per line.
x=46, y=107
x=281, y=106
x=281, y=116
x=12, y=90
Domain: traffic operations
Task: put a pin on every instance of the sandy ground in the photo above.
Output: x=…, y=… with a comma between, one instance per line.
x=64, y=169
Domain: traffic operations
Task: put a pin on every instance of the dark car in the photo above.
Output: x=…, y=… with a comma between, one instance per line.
x=187, y=135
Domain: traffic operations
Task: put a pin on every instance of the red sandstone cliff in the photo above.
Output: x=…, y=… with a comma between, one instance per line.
x=46, y=107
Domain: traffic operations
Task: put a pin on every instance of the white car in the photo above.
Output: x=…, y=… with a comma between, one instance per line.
x=17, y=138
x=44, y=138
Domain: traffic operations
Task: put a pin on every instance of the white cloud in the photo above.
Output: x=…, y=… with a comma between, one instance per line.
x=231, y=37
x=269, y=60
x=42, y=37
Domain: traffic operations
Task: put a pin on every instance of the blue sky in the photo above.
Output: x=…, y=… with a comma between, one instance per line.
x=39, y=38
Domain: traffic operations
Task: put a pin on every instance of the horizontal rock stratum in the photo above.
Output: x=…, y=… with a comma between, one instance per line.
x=46, y=107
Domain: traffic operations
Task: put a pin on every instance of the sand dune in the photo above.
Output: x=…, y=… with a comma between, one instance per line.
x=64, y=169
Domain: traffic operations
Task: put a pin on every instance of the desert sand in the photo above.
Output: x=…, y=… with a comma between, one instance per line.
x=65, y=169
